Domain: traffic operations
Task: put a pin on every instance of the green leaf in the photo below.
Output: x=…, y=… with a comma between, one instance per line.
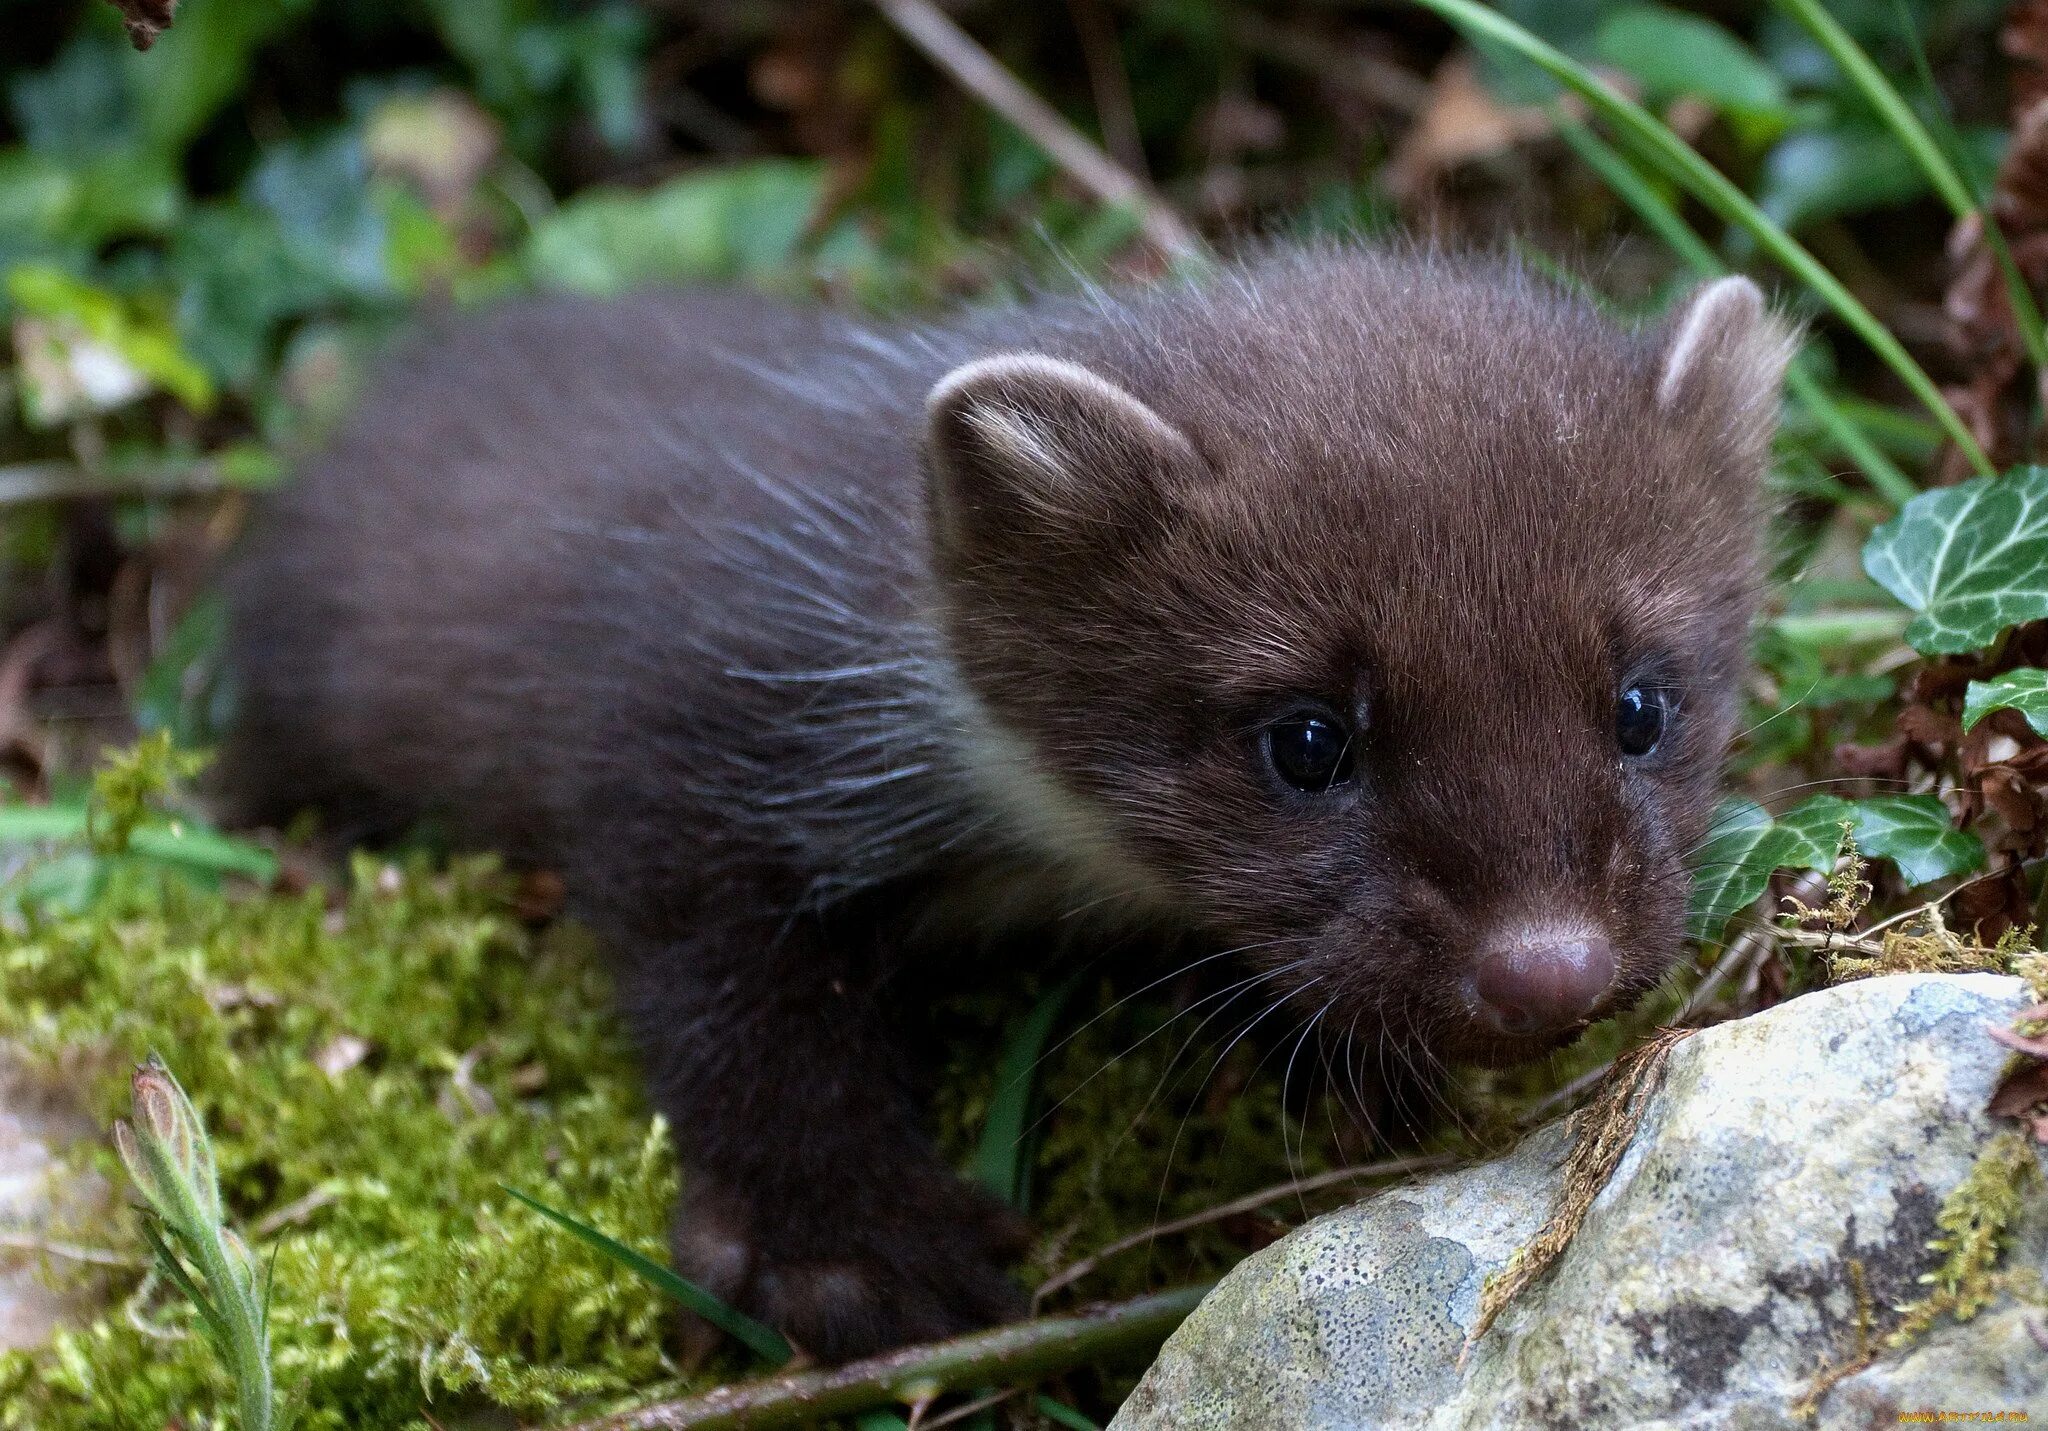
x=1733, y=867
x=146, y=343
x=1915, y=833
x=1063, y=1414
x=82, y=104
x=764, y=1341
x=728, y=223
x=183, y=691
x=1812, y=832
x=1820, y=174
x=2024, y=690
x=1972, y=560
x=181, y=843
x=1673, y=53
x=1000, y=1161
x=239, y=277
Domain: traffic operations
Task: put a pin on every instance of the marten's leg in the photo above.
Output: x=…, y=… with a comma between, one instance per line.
x=811, y=1197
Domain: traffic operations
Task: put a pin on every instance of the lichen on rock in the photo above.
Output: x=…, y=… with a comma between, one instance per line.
x=1789, y=1160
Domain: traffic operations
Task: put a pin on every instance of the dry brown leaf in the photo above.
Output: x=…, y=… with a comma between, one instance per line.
x=2022, y=1092
x=2031, y=1045
x=145, y=19
x=1993, y=400
x=2024, y=37
x=1461, y=122
x=1884, y=761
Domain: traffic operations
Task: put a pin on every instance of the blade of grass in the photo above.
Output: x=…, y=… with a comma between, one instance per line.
x=1063, y=1414
x=1947, y=178
x=999, y=1160
x=2026, y=312
x=1666, y=223
x=762, y=1340
x=1891, y=106
x=1686, y=167
x=178, y=843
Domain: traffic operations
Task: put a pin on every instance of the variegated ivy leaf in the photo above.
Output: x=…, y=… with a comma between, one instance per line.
x=1912, y=831
x=1813, y=831
x=1729, y=874
x=2024, y=690
x=1971, y=560
x=1747, y=846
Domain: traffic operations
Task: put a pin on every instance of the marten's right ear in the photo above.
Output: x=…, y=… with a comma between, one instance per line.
x=1026, y=446
x=1724, y=346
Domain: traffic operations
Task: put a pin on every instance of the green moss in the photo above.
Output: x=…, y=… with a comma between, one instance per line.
x=383, y=1065
x=1976, y=1227
x=374, y=1067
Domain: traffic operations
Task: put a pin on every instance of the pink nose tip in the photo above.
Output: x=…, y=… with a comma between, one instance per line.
x=1536, y=984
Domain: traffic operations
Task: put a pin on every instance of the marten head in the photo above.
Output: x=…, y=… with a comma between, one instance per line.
x=1382, y=616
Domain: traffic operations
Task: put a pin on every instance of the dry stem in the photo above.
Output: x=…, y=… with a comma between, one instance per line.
x=1020, y=1352
x=953, y=50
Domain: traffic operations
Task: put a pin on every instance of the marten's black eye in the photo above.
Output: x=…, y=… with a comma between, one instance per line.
x=1639, y=718
x=1310, y=750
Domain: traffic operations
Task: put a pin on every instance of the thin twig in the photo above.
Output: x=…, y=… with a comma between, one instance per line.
x=22, y=482
x=68, y=1251
x=1021, y=1352
x=1250, y=1202
x=981, y=1403
x=953, y=50
x=293, y=1212
x=1112, y=86
x=1747, y=947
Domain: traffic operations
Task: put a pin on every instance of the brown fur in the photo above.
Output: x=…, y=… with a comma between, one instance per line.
x=654, y=591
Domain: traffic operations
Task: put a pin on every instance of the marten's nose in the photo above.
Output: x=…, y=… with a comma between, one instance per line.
x=1535, y=981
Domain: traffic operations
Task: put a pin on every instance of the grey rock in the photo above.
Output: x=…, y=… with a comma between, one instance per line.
x=1709, y=1281
x=36, y=1205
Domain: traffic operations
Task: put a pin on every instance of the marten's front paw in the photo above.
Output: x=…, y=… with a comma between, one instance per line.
x=848, y=1271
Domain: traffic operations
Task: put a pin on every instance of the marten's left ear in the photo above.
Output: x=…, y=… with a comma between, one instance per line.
x=1724, y=347
x=1025, y=445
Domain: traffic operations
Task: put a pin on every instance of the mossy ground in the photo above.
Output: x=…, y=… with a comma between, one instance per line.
x=377, y=1064
x=385, y=1064
x=380, y=1055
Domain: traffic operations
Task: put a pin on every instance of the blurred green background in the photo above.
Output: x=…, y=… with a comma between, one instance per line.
x=199, y=243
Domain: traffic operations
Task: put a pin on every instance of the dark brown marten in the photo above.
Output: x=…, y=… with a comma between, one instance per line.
x=1376, y=615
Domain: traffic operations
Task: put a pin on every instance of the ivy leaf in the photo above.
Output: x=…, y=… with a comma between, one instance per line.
x=1736, y=862
x=1813, y=832
x=1914, y=832
x=2024, y=690
x=1734, y=865
x=1972, y=560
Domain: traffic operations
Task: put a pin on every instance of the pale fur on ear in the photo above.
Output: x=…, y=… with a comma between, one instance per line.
x=1726, y=333
x=1025, y=430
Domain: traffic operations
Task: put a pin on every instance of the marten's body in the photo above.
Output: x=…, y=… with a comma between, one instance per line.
x=1377, y=614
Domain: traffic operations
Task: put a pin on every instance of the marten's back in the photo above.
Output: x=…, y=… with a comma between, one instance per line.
x=518, y=567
